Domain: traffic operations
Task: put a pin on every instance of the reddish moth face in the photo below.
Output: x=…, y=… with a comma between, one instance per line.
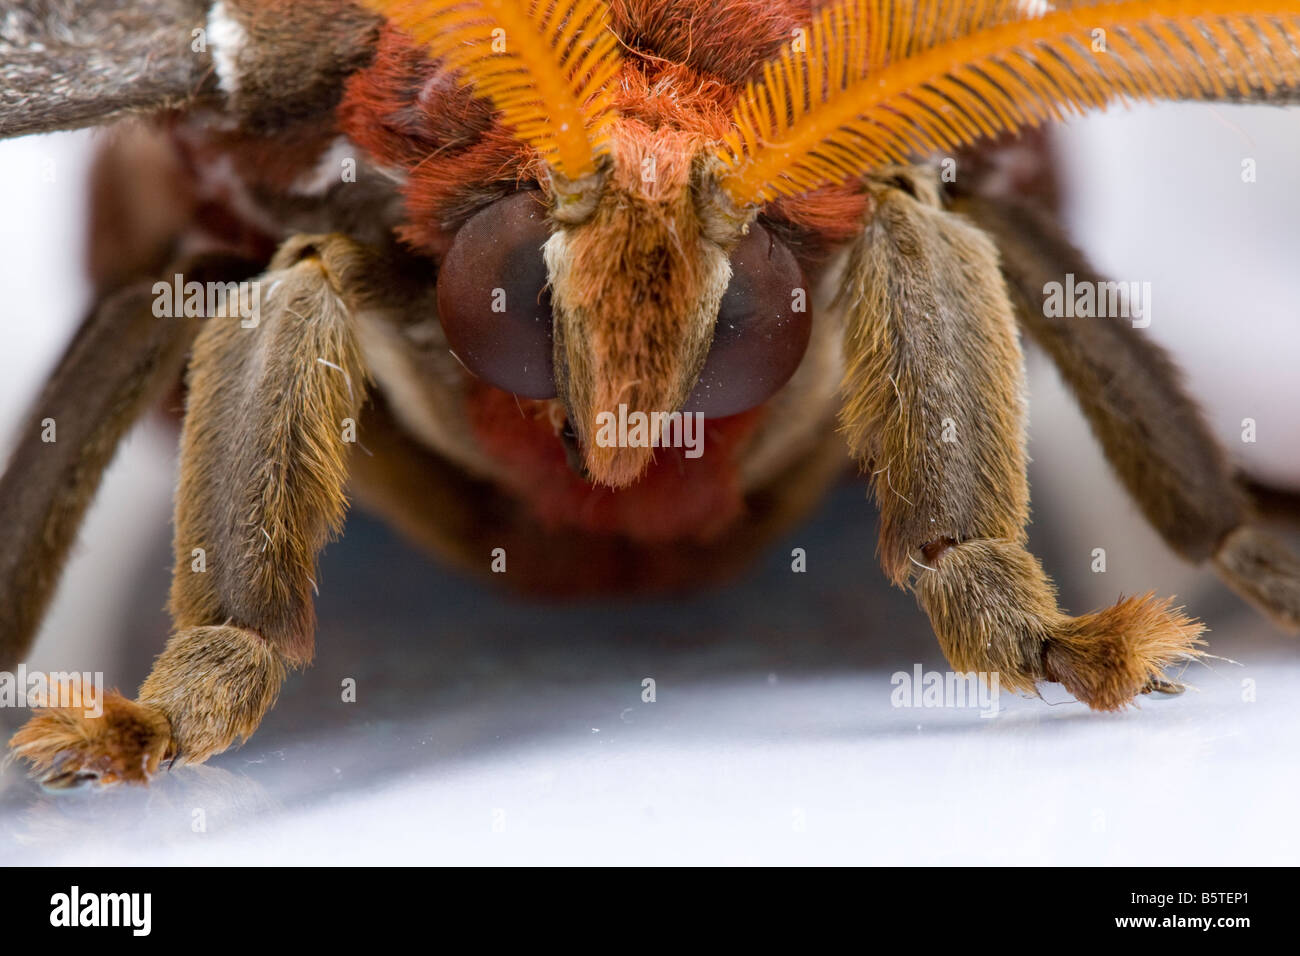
x=638, y=294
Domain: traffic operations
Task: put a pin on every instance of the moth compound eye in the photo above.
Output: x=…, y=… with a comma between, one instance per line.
x=493, y=300
x=762, y=329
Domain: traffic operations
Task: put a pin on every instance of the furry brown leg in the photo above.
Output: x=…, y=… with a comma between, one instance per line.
x=120, y=361
x=934, y=407
x=1274, y=504
x=65, y=747
x=263, y=465
x=1150, y=429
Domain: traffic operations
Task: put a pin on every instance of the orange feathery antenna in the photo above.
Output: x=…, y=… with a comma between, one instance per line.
x=878, y=81
x=546, y=65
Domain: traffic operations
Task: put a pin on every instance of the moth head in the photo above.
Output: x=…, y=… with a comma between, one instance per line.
x=638, y=275
x=641, y=289
x=628, y=282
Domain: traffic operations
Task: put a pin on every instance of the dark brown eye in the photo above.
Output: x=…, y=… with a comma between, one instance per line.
x=492, y=297
x=762, y=329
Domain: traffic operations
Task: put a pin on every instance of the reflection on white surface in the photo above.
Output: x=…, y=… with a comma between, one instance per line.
x=813, y=770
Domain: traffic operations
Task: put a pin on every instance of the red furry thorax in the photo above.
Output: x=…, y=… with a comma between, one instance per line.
x=676, y=498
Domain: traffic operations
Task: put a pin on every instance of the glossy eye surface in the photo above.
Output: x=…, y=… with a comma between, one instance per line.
x=759, y=338
x=493, y=302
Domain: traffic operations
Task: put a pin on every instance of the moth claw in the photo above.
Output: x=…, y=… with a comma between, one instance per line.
x=1164, y=686
x=67, y=780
